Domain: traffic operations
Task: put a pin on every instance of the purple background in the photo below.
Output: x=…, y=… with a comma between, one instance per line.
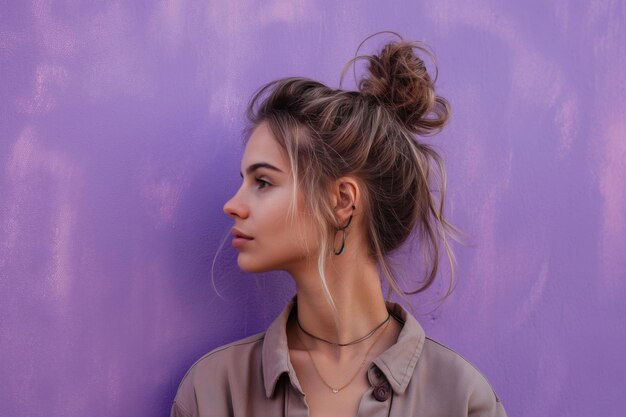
x=120, y=133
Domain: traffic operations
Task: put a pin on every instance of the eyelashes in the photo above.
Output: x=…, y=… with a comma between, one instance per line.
x=262, y=183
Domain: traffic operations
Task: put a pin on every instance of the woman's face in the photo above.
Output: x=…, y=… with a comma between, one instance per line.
x=260, y=209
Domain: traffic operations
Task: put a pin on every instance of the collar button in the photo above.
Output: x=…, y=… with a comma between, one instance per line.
x=382, y=392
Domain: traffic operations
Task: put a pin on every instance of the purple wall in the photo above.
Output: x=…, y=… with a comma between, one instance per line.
x=120, y=132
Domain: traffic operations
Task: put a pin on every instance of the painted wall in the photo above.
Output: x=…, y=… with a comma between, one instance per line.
x=120, y=132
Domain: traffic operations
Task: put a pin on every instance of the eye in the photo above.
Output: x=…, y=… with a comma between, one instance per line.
x=262, y=183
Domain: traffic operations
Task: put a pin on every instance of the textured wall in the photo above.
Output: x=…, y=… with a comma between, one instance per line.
x=120, y=132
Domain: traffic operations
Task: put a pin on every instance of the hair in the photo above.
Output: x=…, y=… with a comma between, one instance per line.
x=370, y=135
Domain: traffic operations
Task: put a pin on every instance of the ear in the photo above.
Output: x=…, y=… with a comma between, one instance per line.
x=345, y=192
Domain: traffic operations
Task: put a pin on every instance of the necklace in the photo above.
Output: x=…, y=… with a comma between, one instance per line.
x=360, y=339
x=333, y=389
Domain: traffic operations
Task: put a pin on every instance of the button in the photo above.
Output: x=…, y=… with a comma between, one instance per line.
x=377, y=372
x=382, y=392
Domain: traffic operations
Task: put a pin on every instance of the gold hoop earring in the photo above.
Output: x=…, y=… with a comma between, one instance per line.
x=343, y=232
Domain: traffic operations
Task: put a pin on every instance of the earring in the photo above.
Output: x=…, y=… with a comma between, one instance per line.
x=343, y=232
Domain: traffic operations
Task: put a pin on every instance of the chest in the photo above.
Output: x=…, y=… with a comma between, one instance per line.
x=322, y=402
x=320, y=398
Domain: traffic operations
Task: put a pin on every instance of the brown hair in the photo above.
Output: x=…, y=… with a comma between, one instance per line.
x=370, y=135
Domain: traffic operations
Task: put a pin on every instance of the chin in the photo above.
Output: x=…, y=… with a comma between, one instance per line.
x=259, y=264
x=249, y=265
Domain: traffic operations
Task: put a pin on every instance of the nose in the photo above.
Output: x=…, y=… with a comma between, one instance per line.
x=236, y=208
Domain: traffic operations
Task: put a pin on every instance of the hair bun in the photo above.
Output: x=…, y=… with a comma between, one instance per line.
x=397, y=78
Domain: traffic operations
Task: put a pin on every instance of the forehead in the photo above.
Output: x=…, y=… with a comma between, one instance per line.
x=263, y=147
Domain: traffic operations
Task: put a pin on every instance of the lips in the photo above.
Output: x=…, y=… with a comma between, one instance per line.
x=239, y=234
x=240, y=239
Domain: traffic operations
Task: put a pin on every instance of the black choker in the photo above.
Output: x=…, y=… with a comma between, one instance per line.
x=367, y=336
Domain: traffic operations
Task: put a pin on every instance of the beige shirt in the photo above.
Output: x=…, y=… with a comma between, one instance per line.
x=415, y=377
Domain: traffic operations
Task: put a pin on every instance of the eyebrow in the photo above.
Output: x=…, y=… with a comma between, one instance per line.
x=258, y=165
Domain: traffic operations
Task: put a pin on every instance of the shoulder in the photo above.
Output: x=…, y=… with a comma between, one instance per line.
x=449, y=363
x=223, y=358
x=455, y=377
x=231, y=354
x=211, y=374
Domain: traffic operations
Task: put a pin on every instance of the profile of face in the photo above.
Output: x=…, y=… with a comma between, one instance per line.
x=260, y=210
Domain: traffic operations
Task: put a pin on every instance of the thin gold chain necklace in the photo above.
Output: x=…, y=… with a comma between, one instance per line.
x=333, y=389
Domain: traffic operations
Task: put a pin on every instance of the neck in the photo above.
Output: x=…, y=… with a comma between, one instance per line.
x=358, y=298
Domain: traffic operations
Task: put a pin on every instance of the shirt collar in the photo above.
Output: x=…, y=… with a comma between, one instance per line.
x=396, y=363
x=275, y=357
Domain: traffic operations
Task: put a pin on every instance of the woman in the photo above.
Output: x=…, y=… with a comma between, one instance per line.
x=333, y=182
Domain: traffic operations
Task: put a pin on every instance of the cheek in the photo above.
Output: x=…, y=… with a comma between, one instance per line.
x=280, y=243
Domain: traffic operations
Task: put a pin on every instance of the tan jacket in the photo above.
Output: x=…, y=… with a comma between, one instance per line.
x=415, y=377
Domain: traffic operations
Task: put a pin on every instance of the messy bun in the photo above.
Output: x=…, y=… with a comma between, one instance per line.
x=371, y=135
x=398, y=79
